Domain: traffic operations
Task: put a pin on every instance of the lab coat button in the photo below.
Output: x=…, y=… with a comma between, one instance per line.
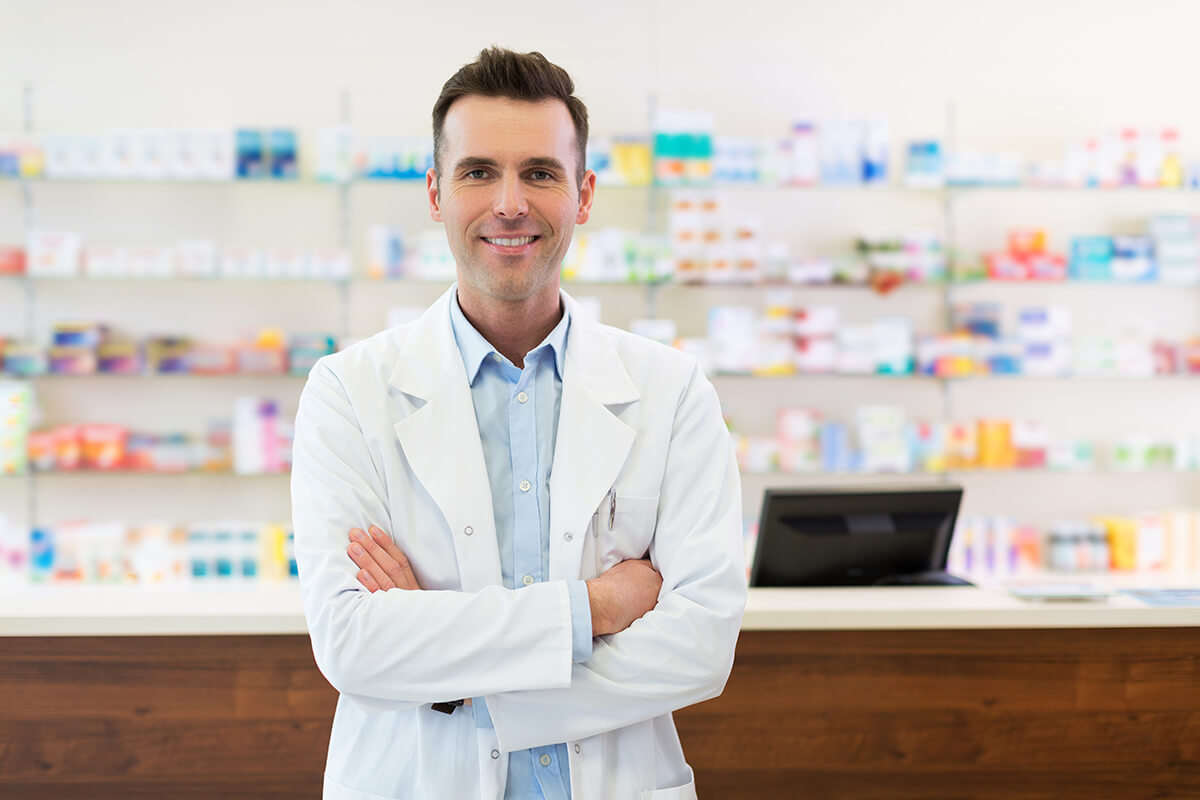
x=577, y=748
x=568, y=536
x=525, y=486
x=495, y=754
x=468, y=530
x=545, y=761
x=527, y=580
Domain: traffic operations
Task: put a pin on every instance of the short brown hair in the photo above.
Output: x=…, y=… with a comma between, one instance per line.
x=517, y=76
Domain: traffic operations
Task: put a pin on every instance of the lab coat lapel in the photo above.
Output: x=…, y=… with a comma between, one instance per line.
x=440, y=441
x=592, y=444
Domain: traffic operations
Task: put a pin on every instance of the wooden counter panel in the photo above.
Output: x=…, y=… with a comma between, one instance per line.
x=176, y=717
x=1118, y=783
x=954, y=714
x=928, y=714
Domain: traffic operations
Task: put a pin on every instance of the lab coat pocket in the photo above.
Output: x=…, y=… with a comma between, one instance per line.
x=626, y=532
x=332, y=790
x=685, y=792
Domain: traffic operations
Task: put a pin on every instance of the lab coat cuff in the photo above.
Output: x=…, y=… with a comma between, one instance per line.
x=581, y=621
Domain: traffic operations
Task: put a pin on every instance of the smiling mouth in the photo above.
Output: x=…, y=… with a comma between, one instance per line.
x=518, y=241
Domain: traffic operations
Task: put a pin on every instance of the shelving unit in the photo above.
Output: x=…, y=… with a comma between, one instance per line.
x=351, y=307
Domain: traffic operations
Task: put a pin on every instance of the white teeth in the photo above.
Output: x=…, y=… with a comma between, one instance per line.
x=524, y=240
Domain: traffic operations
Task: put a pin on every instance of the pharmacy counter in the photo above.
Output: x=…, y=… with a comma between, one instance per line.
x=872, y=694
x=151, y=611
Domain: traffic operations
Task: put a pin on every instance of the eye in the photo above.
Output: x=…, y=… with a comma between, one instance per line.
x=541, y=175
x=477, y=174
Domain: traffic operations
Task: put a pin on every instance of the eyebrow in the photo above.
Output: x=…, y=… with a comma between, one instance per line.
x=541, y=162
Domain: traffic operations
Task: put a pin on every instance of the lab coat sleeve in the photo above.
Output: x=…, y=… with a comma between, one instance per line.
x=680, y=652
x=394, y=649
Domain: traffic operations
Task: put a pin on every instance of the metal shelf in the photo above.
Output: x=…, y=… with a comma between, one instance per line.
x=140, y=473
x=885, y=188
x=156, y=376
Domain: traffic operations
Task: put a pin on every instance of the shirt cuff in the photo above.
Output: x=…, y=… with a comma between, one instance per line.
x=581, y=621
x=483, y=718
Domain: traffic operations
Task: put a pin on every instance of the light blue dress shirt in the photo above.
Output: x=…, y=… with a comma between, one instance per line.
x=517, y=413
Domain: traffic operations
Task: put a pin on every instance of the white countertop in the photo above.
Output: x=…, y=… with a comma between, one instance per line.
x=275, y=609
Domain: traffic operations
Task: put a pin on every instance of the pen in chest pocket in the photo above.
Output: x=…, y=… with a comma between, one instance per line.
x=612, y=507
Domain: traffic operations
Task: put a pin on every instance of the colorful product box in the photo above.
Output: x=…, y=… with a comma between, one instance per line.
x=119, y=358
x=995, y=446
x=1031, y=444
x=78, y=334
x=1091, y=258
x=167, y=355
x=53, y=254
x=211, y=359
x=281, y=154
x=1024, y=242
x=12, y=260
x=27, y=360
x=1047, y=267
x=41, y=450
x=836, y=452
x=16, y=407
x=978, y=319
x=67, y=447
x=102, y=447
x=250, y=154
x=929, y=442
x=72, y=361
x=305, y=350
x=1133, y=259
x=962, y=451
x=261, y=360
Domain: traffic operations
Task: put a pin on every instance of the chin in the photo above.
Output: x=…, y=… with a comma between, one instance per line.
x=512, y=288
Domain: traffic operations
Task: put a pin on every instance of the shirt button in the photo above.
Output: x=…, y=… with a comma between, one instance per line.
x=468, y=530
x=545, y=761
x=577, y=748
x=528, y=579
x=568, y=536
x=525, y=486
x=522, y=397
x=495, y=754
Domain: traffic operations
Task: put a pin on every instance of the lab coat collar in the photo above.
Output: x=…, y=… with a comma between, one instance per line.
x=440, y=439
x=430, y=356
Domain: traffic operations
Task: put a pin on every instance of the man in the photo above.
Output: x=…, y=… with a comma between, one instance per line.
x=551, y=561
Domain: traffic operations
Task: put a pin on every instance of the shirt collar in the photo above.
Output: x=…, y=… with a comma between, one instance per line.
x=474, y=348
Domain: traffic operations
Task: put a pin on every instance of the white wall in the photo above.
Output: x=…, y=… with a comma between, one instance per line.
x=1022, y=74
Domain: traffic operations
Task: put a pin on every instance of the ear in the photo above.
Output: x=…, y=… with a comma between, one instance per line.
x=431, y=188
x=587, y=193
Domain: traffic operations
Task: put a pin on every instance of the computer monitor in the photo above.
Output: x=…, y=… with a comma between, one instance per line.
x=852, y=537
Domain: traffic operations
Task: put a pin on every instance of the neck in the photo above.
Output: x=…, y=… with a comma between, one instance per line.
x=513, y=327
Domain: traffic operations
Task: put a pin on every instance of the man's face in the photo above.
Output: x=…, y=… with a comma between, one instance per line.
x=508, y=197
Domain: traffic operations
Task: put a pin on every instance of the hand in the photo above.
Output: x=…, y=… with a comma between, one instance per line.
x=622, y=595
x=382, y=565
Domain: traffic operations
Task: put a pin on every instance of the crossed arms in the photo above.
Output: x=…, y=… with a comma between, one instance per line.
x=656, y=651
x=618, y=597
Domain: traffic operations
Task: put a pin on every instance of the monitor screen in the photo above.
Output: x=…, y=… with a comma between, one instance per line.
x=852, y=537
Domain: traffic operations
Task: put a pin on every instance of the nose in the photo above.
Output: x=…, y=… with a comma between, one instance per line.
x=510, y=198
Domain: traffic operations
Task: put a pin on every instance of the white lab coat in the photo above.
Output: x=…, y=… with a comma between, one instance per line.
x=386, y=435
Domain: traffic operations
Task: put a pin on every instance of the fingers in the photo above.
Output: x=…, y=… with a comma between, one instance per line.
x=384, y=566
x=364, y=577
x=361, y=553
x=407, y=578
